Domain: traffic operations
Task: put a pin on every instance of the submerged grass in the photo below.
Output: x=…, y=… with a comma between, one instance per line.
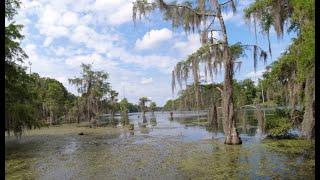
x=101, y=153
x=45, y=150
x=223, y=162
x=19, y=168
x=300, y=154
x=292, y=158
x=19, y=159
x=291, y=146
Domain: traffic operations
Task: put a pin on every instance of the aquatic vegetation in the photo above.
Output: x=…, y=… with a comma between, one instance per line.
x=253, y=161
x=300, y=154
x=113, y=153
x=292, y=146
x=19, y=160
x=278, y=127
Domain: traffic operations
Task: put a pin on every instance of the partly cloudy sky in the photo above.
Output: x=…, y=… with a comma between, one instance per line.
x=62, y=34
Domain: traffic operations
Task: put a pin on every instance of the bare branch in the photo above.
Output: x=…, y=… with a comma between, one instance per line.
x=221, y=4
x=220, y=90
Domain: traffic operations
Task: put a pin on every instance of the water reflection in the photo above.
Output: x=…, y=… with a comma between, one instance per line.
x=192, y=126
x=153, y=121
x=108, y=121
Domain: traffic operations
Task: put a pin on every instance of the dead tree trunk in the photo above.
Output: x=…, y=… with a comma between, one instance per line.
x=308, y=123
x=231, y=134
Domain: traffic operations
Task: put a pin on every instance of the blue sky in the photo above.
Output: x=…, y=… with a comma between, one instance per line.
x=62, y=34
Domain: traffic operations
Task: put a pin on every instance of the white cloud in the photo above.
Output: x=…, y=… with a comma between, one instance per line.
x=67, y=51
x=153, y=39
x=122, y=15
x=86, y=19
x=82, y=6
x=227, y=16
x=45, y=66
x=102, y=5
x=189, y=46
x=112, y=12
x=101, y=43
x=69, y=18
x=95, y=59
x=60, y=51
x=49, y=16
x=255, y=75
x=48, y=23
x=30, y=48
x=146, y=80
x=54, y=31
x=162, y=63
x=47, y=41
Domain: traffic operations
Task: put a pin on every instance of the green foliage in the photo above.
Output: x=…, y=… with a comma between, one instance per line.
x=279, y=124
x=153, y=106
x=237, y=50
x=11, y=7
x=20, y=100
x=282, y=113
x=20, y=105
x=94, y=89
x=244, y=92
x=133, y=107
x=30, y=99
x=13, y=51
x=124, y=111
x=281, y=130
x=295, y=64
x=168, y=105
x=142, y=103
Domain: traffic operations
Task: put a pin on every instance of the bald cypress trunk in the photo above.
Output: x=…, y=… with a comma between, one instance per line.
x=213, y=117
x=144, y=119
x=308, y=122
x=260, y=117
x=232, y=136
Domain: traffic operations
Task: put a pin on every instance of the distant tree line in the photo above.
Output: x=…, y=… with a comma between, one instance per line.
x=245, y=92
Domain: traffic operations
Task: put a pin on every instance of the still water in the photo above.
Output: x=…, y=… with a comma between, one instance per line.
x=162, y=147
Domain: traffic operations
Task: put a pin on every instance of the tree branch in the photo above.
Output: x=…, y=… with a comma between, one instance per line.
x=220, y=90
x=225, y=3
x=184, y=6
x=214, y=30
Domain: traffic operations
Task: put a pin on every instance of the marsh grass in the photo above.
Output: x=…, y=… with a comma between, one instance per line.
x=292, y=158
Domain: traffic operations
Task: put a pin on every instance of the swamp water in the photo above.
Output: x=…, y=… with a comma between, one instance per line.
x=163, y=148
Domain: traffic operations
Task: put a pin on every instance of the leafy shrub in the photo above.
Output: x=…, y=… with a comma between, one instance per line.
x=285, y=113
x=278, y=127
